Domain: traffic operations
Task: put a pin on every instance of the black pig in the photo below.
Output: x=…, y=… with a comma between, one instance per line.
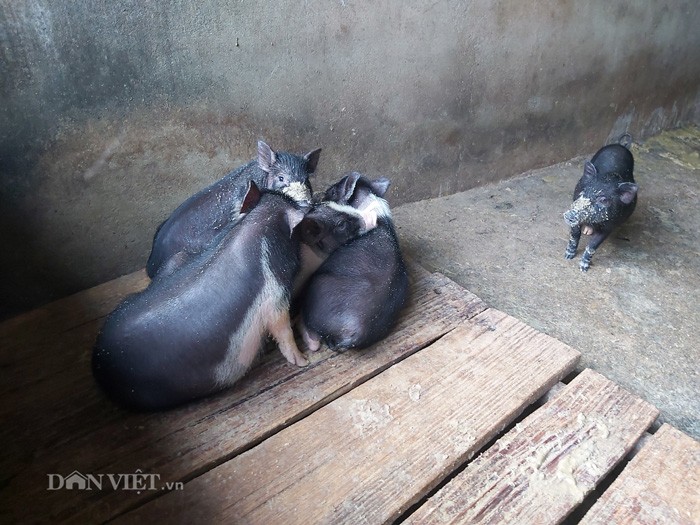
x=604, y=198
x=198, y=330
x=194, y=224
x=354, y=298
x=324, y=229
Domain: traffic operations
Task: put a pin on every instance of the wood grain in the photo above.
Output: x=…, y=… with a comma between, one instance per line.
x=50, y=340
x=20, y=333
x=78, y=430
x=545, y=466
x=370, y=454
x=661, y=485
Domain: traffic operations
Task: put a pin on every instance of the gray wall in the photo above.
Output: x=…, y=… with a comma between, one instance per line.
x=113, y=112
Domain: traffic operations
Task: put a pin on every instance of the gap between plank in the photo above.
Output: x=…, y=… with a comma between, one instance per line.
x=204, y=468
x=529, y=409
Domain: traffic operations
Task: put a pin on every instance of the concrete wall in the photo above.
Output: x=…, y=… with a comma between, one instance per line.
x=113, y=112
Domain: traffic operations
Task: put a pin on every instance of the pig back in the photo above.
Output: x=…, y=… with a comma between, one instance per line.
x=615, y=158
x=354, y=298
x=180, y=338
x=194, y=223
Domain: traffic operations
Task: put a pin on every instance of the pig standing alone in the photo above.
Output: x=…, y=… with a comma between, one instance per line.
x=604, y=198
x=354, y=298
x=193, y=225
x=197, y=331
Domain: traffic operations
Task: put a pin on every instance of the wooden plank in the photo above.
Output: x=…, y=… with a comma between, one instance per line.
x=47, y=365
x=545, y=466
x=81, y=431
x=42, y=362
x=370, y=454
x=31, y=350
x=661, y=485
x=20, y=333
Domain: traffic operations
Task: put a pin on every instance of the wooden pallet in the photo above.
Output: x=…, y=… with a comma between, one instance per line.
x=383, y=435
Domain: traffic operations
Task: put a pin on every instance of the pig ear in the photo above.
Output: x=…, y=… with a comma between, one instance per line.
x=294, y=218
x=380, y=186
x=628, y=191
x=311, y=159
x=342, y=191
x=252, y=197
x=589, y=170
x=266, y=157
x=347, y=188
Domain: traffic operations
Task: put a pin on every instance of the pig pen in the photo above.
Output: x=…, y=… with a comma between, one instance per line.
x=515, y=389
x=464, y=413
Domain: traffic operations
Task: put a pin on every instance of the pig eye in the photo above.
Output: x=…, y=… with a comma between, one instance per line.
x=280, y=178
x=602, y=200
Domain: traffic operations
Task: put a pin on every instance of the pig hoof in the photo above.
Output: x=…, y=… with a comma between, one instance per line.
x=570, y=254
x=296, y=358
x=584, y=266
x=293, y=355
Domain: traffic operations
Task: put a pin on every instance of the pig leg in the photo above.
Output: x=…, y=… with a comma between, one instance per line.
x=574, y=238
x=281, y=330
x=596, y=240
x=311, y=340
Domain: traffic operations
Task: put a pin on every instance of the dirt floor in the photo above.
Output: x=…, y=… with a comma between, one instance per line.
x=635, y=315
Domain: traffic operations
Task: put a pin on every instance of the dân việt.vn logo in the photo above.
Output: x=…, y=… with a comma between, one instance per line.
x=137, y=481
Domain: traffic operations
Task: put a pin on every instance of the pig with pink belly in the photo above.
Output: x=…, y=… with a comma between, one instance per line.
x=354, y=298
x=198, y=330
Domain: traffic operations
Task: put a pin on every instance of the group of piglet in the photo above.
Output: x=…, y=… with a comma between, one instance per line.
x=230, y=264
x=604, y=198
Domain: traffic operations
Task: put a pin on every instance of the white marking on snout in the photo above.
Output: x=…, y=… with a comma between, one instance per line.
x=349, y=210
x=581, y=204
x=297, y=191
x=579, y=212
x=369, y=211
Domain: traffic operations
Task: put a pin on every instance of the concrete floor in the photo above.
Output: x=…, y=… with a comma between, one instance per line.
x=635, y=315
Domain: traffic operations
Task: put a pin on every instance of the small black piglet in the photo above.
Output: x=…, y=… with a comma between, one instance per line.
x=604, y=198
x=354, y=298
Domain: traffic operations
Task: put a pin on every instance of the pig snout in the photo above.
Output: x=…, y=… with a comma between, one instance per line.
x=314, y=235
x=582, y=210
x=329, y=226
x=571, y=218
x=300, y=192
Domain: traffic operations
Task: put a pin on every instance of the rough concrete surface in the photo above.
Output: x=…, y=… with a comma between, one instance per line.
x=635, y=315
x=113, y=112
